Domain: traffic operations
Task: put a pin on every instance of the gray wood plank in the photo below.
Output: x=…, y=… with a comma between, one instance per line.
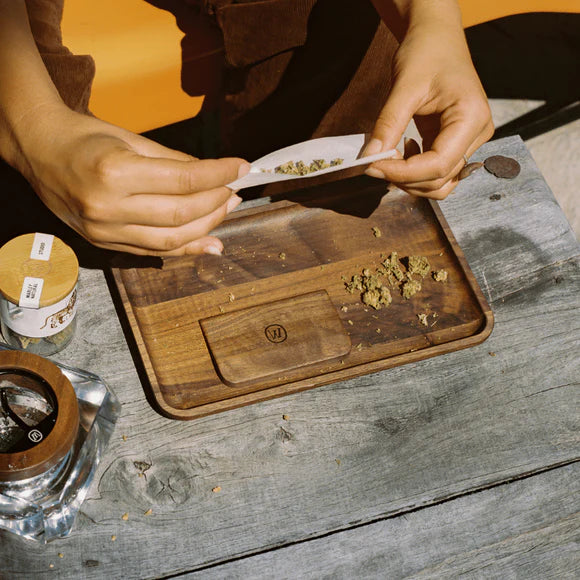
x=514, y=235
x=352, y=452
x=527, y=529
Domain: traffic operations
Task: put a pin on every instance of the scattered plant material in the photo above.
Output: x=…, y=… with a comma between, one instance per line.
x=418, y=265
x=422, y=319
x=373, y=292
x=301, y=168
x=501, y=166
x=440, y=275
x=392, y=269
x=141, y=466
x=377, y=297
x=376, y=294
x=410, y=288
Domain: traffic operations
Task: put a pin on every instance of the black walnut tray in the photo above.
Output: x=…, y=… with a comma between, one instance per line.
x=272, y=315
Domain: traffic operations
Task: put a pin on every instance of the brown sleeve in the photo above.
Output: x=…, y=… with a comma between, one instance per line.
x=72, y=74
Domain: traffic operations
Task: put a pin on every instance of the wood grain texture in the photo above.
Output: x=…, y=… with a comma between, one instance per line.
x=37, y=374
x=351, y=454
x=316, y=240
x=528, y=529
x=285, y=337
x=59, y=273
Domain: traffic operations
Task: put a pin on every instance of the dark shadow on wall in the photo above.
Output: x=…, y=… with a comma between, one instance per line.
x=202, y=63
x=201, y=49
x=531, y=56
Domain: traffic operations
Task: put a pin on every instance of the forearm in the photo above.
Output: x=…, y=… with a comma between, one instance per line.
x=26, y=89
x=402, y=15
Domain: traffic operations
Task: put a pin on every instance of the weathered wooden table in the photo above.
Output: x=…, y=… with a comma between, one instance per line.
x=464, y=464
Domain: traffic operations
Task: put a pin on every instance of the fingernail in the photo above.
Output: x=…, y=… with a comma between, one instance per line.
x=373, y=172
x=213, y=249
x=244, y=169
x=469, y=169
x=233, y=202
x=374, y=146
x=411, y=147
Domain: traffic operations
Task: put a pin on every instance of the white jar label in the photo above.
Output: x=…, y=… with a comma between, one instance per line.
x=39, y=322
x=31, y=292
x=41, y=247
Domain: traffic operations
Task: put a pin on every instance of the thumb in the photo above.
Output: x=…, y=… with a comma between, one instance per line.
x=392, y=122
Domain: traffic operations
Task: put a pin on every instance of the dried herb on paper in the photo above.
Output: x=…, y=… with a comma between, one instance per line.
x=302, y=168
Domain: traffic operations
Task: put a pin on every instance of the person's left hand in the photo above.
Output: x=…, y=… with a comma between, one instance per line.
x=435, y=83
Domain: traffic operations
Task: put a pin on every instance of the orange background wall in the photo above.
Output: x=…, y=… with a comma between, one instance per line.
x=138, y=56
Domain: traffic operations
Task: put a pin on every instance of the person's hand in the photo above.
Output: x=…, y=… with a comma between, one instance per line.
x=124, y=192
x=435, y=83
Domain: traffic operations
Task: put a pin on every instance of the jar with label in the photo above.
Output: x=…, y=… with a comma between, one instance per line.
x=38, y=287
x=55, y=423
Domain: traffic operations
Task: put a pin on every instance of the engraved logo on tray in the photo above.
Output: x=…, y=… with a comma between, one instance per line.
x=276, y=333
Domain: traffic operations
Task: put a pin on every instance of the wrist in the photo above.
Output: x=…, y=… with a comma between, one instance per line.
x=402, y=15
x=438, y=23
x=443, y=12
x=29, y=131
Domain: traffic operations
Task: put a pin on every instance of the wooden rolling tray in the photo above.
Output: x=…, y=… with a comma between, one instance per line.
x=272, y=315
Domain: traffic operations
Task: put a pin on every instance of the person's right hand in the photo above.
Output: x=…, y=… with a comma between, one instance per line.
x=124, y=192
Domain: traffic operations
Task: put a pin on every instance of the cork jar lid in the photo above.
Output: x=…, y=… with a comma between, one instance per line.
x=38, y=256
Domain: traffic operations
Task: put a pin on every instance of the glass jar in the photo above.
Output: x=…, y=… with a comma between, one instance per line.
x=55, y=422
x=38, y=287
